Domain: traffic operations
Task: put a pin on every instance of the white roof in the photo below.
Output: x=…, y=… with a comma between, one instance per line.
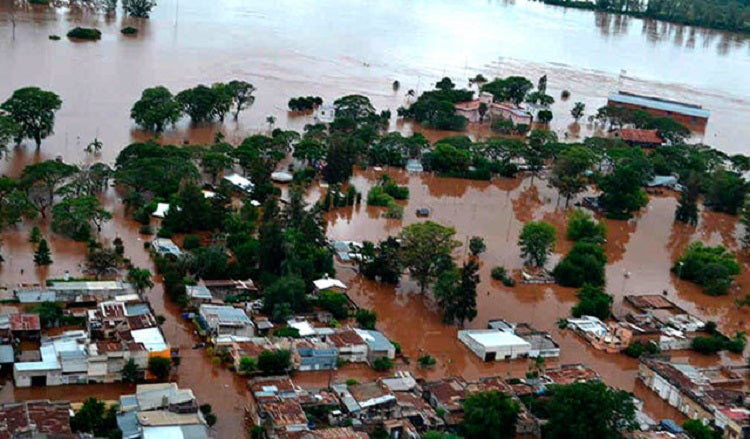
x=304, y=327
x=326, y=283
x=199, y=292
x=493, y=338
x=128, y=298
x=282, y=177
x=161, y=210
x=208, y=194
x=151, y=338
x=239, y=181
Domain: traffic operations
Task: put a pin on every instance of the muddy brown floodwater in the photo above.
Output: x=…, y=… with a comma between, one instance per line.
x=645, y=248
x=330, y=48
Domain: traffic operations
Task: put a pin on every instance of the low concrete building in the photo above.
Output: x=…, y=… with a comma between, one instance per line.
x=352, y=348
x=448, y=395
x=542, y=344
x=25, y=326
x=241, y=183
x=198, y=294
x=378, y=346
x=492, y=344
x=223, y=288
x=315, y=354
x=227, y=320
x=161, y=411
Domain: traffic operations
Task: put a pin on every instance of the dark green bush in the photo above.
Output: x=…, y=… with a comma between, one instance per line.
x=85, y=33
x=129, y=30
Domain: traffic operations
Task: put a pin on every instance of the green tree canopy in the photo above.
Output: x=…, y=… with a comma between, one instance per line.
x=489, y=415
x=568, y=174
x=423, y=246
x=593, y=301
x=160, y=367
x=274, y=362
x=712, y=267
x=73, y=217
x=156, y=109
x=33, y=112
x=536, y=241
x=589, y=410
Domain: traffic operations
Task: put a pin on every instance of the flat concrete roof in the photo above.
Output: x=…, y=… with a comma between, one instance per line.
x=492, y=338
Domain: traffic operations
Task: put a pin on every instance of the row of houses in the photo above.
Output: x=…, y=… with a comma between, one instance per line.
x=317, y=349
x=116, y=332
x=712, y=395
x=401, y=405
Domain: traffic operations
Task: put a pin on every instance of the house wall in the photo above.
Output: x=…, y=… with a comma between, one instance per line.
x=692, y=122
x=354, y=354
x=674, y=396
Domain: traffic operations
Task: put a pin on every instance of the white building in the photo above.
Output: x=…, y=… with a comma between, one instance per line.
x=240, y=182
x=491, y=344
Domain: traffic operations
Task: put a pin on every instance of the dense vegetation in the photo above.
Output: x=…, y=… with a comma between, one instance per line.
x=732, y=15
x=85, y=33
x=714, y=268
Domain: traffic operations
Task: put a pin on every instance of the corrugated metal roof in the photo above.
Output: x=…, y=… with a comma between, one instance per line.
x=659, y=104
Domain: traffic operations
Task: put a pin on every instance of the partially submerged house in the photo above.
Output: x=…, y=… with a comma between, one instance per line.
x=653, y=317
x=493, y=344
x=226, y=320
x=703, y=394
x=378, y=346
x=352, y=348
x=692, y=116
x=640, y=137
x=542, y=344
x=161, y=410
x=472, y=110
x=612, y=338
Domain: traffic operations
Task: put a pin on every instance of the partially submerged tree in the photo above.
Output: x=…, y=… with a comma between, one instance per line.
x=140, y=279
x=589, y=410
x=42, y=255
x=139, y=8
x=73, y=217
x=423, y=247
x=33, y=112
x=536, y=241
x=490, y=414
x=42, y=179
x=156, y=109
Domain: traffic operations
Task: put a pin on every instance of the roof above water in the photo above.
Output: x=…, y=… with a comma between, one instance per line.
x=660, y=104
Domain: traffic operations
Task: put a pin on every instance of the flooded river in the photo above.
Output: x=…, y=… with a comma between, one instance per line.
x=331, y=48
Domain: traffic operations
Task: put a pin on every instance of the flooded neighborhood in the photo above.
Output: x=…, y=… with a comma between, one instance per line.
x=325, y=219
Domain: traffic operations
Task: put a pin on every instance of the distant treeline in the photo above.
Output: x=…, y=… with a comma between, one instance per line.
x=731, y=15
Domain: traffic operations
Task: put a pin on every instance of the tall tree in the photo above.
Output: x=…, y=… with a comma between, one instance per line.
x=14, y=203
x=156, y=109
x=577, y=111
x=568, y=174
x=622, y=189
x=42, y=179
x=536, y=241
x=8, y=132
x=423, y=246
x=589, y=410
x=489, y=415
x=159, y=367
x=102, y=262
x=130, y=372
x=214, y=163
x=73, y=217
x=242, y=95
x=140, y=279
x=538, y=149
x=456, y=292
x=33, y=111
x=42, y=255
x=139, y=8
